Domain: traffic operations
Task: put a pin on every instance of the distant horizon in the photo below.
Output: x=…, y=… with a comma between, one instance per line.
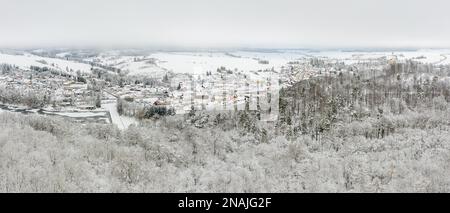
x=231, y=24
x=215, y=49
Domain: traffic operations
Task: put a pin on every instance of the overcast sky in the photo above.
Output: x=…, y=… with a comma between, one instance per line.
x=225, y=23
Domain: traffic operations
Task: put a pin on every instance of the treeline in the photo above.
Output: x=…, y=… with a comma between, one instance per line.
x=40, y=69
x=121, y=78
x=32, y=99
x=314, y=106
x=206, y=152
x=127, y=107
x=7, y=68
x=341, y=139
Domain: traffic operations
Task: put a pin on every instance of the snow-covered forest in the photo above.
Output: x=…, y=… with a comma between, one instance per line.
x=224, y=96
x=362, y=130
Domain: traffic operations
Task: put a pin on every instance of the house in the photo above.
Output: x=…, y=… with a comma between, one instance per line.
x=159, y=103
x=87, y=107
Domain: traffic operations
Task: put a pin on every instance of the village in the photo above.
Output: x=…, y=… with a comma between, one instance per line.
x=86, y=98
x=107, y=92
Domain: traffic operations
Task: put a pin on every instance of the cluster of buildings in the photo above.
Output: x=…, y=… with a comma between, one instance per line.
x=63, y=92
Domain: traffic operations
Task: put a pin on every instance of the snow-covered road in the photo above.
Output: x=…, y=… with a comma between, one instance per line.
x=122, y=122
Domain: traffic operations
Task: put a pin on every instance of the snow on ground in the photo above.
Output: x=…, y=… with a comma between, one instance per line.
x=426, y=55
x=26, y=60
x=199, y=63
x=122, y=122
x=446, y=59
x=141, y=65
x=422, y=55
x=79, y=114
x=278, y=58
x=140, y=68
x=63, y=54
x=157, y=64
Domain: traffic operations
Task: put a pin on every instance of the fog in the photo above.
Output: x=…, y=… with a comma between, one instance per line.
x=231, y=23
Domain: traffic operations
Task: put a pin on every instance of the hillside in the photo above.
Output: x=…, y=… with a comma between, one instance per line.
x=361, y=131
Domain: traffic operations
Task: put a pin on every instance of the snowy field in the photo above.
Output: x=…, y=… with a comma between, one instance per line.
x=158, y=63
x=199, y=63
x=435, y=56
x=243, y=75
x=26, y=60
x=76, y=115
x=142, y=65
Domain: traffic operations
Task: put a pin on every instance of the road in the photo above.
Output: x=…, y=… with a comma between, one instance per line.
x=122, y=122
x=444, y=58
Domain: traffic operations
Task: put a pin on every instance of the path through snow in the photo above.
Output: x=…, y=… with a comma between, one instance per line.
x=122, y=122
